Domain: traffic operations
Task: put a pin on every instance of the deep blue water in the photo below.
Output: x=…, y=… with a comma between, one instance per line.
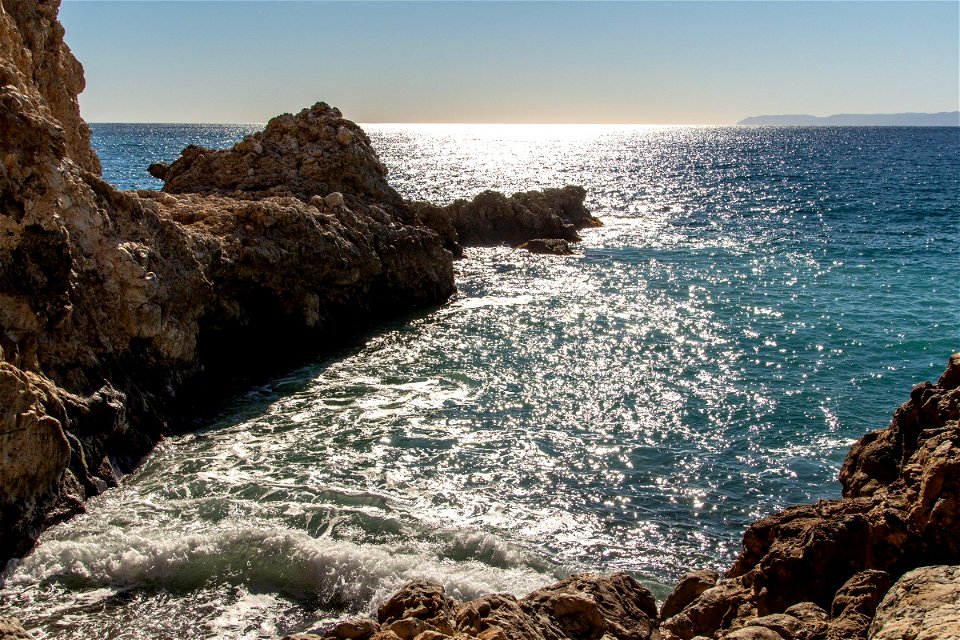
x=757, y=299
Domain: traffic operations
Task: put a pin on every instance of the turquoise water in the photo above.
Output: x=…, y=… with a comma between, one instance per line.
x=757, y=299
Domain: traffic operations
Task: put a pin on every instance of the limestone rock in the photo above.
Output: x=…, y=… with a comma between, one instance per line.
x=855, y=603
x=496, y=615
x=577, y=608
x=687, y=590
x=924, y=604
x=588, y=606
x=360, y=629
x=315, y=152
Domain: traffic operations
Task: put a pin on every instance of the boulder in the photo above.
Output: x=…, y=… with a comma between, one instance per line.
x=588, y=606
x=687, y=590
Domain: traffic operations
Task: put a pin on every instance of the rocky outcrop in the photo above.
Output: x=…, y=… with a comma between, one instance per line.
x=828, y=565
x=492, y=218
x=581, y=607
x=314, y=153
x=115, y=306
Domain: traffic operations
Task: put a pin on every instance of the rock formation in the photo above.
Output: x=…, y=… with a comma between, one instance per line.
x=577, y=608
x=827, y=566
x=492, y=218
x=318, y=152
x=114, y=305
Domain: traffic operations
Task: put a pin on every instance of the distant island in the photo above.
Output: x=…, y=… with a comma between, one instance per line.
x=942, y=119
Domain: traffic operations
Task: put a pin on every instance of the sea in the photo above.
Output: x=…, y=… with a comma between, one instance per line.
x=757, y=299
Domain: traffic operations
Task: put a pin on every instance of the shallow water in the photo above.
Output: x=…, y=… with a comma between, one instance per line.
x=757, y=299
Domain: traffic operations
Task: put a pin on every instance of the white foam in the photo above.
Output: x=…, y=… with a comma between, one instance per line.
x=277, y=562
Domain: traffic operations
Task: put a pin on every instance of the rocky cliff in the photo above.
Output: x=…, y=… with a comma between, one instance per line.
x=115, y=306
x=879, y=564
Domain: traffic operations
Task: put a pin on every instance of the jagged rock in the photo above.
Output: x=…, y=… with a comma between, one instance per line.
x=924, y=604
x=419, y=606
x=808, y=552
x=855, y=603
x=360, y=629
x=712, y=610
x=687, y=590
x=315, y=152
x=496, y=614
x=158, y=170
x=548, y=246
x=581, y=607
x=880, y=458
x=492, y=218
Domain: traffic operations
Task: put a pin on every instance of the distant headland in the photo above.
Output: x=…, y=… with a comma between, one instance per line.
x=941, y=119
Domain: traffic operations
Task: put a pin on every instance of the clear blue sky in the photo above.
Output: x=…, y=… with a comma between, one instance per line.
x=577, y=62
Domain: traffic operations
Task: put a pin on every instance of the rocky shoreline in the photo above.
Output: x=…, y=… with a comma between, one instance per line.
x=123, y=314
x=879, y=564
x=120, y=312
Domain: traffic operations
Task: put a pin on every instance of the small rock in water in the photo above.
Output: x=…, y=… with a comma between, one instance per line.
x=549, y=246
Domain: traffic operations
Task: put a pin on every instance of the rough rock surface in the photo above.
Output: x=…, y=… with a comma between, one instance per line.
x=899, y=512
x=114, y=305
x=11, y=629
x=924, y=604
x=492, y=218
x=581, y=607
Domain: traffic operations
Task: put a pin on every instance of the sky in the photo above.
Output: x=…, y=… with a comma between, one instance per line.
x=681, y=62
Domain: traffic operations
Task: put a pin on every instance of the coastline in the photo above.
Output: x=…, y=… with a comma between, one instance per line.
x=153, y=323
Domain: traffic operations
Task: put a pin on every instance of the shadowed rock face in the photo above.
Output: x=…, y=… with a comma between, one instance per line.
x=113, y=303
